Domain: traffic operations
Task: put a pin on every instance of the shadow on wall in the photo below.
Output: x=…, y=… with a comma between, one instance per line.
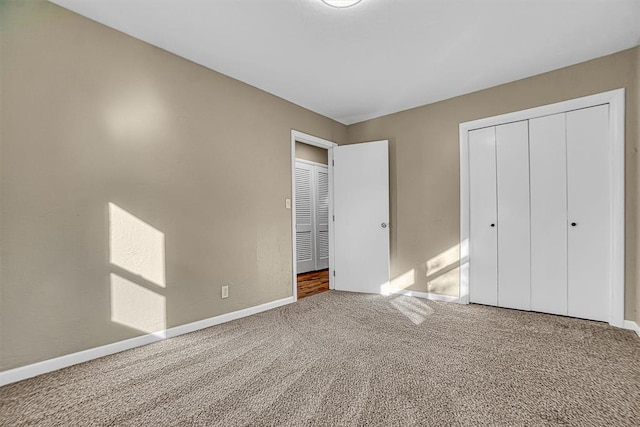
x=137, y=259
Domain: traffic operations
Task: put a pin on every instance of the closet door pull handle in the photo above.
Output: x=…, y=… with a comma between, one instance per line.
x=493, y=225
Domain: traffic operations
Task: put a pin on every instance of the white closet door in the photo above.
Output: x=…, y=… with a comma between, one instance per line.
x=483, y=242
x=322, y=217
x=588, y=179
x=548, y=183
x=305, y=239
x=512, y=149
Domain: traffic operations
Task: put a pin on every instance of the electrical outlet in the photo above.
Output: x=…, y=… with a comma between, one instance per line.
x=287, y=203
x=225, y=291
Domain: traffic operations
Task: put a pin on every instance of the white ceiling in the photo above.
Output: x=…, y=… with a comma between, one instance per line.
x=380, y=56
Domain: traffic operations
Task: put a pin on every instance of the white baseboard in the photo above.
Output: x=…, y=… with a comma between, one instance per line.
x=24, y=372
x=425, y=295
x=630, y=324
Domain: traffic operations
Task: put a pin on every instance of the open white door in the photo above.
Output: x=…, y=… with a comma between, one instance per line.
x=361, y=208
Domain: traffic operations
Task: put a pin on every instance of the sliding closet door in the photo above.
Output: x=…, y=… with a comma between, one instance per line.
x=548, y=182
x=512, y=148
x=322, y=217
x=483, y=243
x=305, y=241
x=589, y=217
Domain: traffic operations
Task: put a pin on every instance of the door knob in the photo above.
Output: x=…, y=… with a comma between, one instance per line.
x=383, y=225
x=493, y=225
x=573, y=224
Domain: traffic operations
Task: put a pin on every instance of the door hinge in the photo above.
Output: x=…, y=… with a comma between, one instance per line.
x=333, y=162
x=334, y=273
x=334, y=218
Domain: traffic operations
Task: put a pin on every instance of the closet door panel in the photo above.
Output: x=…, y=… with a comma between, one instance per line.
x=322, y=217
x=483, y=244
x=588, y=208
x=548, y=186
x=512, y=148
x=305, y=238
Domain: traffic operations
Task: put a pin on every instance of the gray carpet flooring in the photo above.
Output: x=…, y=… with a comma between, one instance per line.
x=341, y=359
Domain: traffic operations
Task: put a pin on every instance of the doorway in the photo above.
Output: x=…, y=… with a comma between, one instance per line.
x=358, y=235
x=312, y=212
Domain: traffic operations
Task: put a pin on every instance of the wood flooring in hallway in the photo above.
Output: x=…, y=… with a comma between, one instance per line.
x=312, y=283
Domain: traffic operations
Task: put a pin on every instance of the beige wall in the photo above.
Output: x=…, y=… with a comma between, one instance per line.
x=312, y=153
x=90, y=117
x=635, y=182
x=424, y=166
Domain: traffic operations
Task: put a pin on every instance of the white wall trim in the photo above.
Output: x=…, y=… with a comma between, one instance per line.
x=417, y=294
x=631, y=325
x=615, y=99
x=547, y=110
x=297, y=136
x=616, y=179
x=29, y=371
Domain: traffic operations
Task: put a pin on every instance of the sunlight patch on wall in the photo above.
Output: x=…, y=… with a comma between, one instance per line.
x=404, y=280
x=400, y=282
x=137, y=307
x=414, y=309
x=135, y=246
x=443, y=260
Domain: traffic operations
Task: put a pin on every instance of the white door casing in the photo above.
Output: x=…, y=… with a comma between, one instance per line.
x=361, y=207
x=297, y=136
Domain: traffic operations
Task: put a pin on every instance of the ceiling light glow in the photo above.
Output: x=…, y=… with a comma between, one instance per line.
x=341, y=3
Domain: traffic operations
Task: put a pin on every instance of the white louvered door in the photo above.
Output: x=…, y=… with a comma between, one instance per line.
x=321, y=186
x=305, y=248
x=312, y=217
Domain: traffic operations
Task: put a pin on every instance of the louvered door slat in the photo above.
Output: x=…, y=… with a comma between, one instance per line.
x=303, y=196
x=322, y=217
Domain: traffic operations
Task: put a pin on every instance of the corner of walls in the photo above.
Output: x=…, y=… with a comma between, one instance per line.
x=195, y=164
x=424, y=164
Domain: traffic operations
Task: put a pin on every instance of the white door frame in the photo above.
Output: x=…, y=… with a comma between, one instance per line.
x=297, y=136
x=615, y=99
